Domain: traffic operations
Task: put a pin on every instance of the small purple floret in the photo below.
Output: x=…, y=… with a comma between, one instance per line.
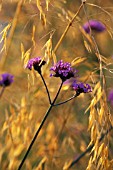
x=81, y=87
x=110, y=97
x=95, y=25
x=36, y=63
x=63, y=70
x=6, y=79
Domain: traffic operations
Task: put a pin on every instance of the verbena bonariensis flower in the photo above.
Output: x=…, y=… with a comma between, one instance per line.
x=6, y=79
x=63, y=70
x=110, y=97
x=81, y=87
x=95, y=25
x=35, y=63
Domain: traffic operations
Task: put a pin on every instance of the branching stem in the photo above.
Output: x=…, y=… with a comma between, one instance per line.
x=57, y=104
x=46, y=88
x=40, y=127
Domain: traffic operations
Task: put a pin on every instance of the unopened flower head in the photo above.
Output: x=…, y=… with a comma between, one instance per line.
x=6, y=79
x=63, y=70
x=35, y=63
x=81, y=87
x=110, y=97
x=94, y=25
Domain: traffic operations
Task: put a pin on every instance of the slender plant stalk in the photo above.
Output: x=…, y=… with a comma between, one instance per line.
x=95, y=46
x=101, y=8
x=1, y=92
x=40, y=127
x=12, y=30
x=89, y=148
x=46, y=88
x=67, y=28
x=62, y=127
x=57, y=104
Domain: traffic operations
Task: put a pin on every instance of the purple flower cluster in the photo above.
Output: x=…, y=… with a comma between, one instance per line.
x=6, y=79
x=62, y=70
x=95, y=25
x=36, y=63
x=110, y=97
x=81, y=87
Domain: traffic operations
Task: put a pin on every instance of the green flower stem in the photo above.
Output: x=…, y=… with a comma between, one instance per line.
x=46, y=88
x=40, y=127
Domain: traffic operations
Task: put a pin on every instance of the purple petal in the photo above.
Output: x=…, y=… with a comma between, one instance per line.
x=95, y=25
x=6, y=79
x=63, y=70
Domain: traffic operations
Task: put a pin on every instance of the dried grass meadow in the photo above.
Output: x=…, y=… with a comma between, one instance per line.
x=76, y=135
